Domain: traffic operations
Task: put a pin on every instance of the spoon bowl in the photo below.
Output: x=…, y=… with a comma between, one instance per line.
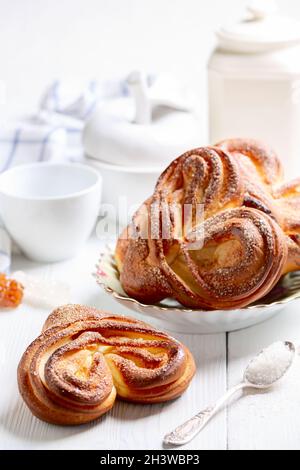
x=270, y=365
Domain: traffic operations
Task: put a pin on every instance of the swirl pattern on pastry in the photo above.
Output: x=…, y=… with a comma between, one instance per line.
x=230, y=254
x=260, y=160
x=84, y=358
x=239, y=259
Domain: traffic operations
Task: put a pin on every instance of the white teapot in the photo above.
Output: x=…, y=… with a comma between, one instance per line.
x=131, y=139
x=146, y=129
x=254, y=81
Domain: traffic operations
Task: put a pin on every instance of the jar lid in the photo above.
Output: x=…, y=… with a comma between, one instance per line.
x=263, y=29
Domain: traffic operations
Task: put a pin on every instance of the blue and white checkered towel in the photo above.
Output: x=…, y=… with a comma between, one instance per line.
x=54, y=133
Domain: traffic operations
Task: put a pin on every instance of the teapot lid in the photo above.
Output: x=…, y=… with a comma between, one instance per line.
x=263, y=29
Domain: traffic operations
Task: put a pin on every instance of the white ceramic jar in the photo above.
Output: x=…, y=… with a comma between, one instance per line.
x=254, y=82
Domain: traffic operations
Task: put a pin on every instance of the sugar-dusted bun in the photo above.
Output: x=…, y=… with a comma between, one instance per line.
x=84, y=358
x=247, y=237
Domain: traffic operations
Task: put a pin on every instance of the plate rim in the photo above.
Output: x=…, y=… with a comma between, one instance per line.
x=124, y=298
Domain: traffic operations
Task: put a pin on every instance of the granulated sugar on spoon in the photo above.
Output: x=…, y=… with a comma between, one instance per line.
x=269, y=366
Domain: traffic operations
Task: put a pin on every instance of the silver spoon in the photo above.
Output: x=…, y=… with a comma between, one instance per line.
x=269, y=366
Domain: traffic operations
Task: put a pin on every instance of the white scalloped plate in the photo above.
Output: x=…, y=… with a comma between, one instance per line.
x=172, y=316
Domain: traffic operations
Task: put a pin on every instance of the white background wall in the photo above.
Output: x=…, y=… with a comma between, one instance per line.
x=41, y=40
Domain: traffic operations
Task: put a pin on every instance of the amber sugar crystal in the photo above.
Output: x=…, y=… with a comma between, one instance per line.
x=11, y=292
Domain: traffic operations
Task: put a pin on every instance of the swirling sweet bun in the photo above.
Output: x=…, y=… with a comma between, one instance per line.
x=247, y=237
x=85, y=358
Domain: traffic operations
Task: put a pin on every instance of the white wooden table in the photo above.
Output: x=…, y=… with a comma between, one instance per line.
x=261, y=421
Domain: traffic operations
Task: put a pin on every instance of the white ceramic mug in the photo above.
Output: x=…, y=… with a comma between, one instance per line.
x=50, y=209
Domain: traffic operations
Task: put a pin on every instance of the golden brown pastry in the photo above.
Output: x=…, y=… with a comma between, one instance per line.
x=84, y=358
x=218, y=232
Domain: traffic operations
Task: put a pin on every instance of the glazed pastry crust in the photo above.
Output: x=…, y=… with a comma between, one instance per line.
x=250, y=228
x=84, y=358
